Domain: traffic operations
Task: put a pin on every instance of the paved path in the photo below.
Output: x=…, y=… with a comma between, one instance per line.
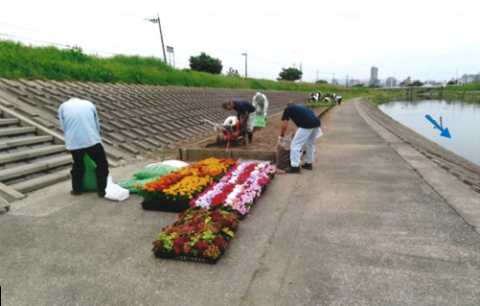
x=370, y=225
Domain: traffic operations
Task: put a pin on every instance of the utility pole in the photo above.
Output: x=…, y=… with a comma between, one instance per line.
x=245, y=64
x=157, y=20
x=347, y=81
x=317, y=77
x=301, y=71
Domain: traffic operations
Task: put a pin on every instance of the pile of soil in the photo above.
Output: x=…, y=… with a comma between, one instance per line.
x=264, y=139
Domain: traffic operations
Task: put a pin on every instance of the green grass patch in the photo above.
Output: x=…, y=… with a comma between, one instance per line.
x=18, y=61
x=320, y=104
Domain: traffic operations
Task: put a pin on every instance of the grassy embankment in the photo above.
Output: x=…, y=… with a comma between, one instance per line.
x=469, y=92
x=18, y=61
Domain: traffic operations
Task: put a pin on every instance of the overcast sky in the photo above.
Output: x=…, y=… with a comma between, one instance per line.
x=423, y=39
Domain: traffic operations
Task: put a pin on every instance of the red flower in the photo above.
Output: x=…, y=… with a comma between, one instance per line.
x=201, y=246
x=178, y=245
x=220, y=243
x=216, y=215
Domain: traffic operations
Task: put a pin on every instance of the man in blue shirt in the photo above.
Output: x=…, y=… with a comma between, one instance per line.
x=245, y=113
x=308, y=131
x=81, y=127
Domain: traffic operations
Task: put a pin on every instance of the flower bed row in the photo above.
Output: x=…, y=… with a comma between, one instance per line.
x=197, y=235
x=174, y=191
x=237, y=190
x=203, y=231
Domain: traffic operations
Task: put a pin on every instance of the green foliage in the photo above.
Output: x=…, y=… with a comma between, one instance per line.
x=255, y=84
x=290, y=74
x=467, y=87
x=233, y=72
x=50, y=63
x=416, y=83
x=321, y=82
x=206, y=63
x=319, y=104
x=383, y=96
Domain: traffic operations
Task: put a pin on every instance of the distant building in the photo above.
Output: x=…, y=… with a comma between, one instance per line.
x=334, y=82
x=373, y=76
x=353, y=82
x=407, y=81
x=391, y=82
x=468, y=79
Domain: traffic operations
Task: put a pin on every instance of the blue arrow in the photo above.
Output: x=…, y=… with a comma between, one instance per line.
x=445, y=132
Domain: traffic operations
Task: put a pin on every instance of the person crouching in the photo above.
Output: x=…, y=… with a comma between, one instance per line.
x=245, y=113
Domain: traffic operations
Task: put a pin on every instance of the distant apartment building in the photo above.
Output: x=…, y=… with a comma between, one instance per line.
x=469, y=78
x=391, y=82
x=373, y=76
x=334, y=82
x=353, y=82
x=407, y=81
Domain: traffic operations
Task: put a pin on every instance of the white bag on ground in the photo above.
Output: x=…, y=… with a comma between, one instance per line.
x=114, y=192
x=175, y=163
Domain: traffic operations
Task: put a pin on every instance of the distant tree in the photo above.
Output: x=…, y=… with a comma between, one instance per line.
x=233, y=72
x=290, y=74
x=359, y=85
x=321, y=82
x=416, y=83
x=206, y=63
x=452, y=82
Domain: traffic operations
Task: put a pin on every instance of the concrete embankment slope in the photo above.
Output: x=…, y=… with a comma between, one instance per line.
x=365, y=227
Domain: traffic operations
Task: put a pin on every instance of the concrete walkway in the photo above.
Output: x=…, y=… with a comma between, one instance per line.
x=365, y=227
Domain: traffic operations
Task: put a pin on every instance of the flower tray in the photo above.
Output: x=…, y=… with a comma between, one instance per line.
x=177, y=207
x=188, y=258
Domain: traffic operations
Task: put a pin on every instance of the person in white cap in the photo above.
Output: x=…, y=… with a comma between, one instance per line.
x=260, y=102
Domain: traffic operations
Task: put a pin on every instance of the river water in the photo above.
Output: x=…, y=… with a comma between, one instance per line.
x=462, y=120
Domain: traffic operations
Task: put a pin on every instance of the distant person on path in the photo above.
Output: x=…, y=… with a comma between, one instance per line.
x=308, y=131
x=339, y=99
x=260, y=102
x=245, y=113
x=81, y=127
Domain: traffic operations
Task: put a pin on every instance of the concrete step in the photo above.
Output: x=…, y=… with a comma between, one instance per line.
x=25, y=141
x=28, y=154
x=41, y=165
x=9, y=121
x=40, y=182
x=17, y=131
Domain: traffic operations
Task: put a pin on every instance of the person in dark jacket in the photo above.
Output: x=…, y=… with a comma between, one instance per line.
x=245, y=113
x=308, y=131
